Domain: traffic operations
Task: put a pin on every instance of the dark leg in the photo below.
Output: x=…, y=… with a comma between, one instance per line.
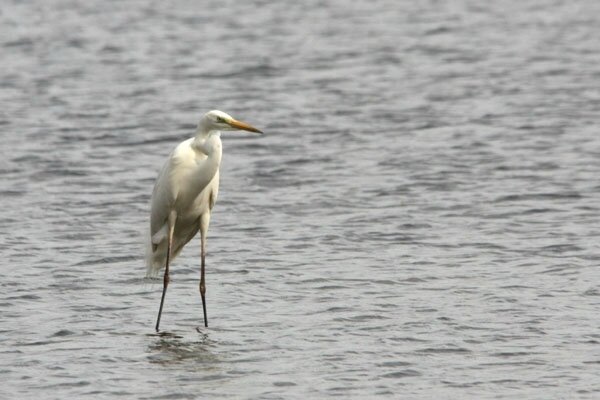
x=165, y=278
x=203, y=290
x=204, y=221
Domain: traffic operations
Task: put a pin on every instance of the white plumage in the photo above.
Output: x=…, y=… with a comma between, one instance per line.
x=189, y=184
x=184, y=194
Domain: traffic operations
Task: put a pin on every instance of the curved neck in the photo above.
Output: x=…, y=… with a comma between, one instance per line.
x=202, y=130
x=207, y=142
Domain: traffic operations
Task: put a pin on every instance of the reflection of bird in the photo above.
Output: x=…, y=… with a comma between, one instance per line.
x=184, y=195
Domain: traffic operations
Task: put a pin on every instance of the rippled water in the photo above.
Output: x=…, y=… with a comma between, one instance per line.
x=420, y=221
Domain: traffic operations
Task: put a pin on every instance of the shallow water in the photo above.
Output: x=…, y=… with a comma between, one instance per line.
x=421, y=219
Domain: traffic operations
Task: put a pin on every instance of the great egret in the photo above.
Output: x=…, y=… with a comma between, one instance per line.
x=184, y=194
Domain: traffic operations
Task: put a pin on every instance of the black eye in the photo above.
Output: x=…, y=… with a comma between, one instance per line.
x=220, y=119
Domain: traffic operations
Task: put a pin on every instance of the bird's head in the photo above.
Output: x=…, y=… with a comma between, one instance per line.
x=220, y=121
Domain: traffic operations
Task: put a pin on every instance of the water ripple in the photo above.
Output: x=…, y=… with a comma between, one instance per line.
x=420, y=219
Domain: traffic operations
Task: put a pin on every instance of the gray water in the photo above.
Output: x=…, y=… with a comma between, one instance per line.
x=421, y=219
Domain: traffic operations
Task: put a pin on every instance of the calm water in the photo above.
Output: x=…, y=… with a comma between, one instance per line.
x=422, y=219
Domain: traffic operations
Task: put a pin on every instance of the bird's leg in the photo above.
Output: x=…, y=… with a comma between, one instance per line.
x=203, y=287
x=204, y=221
x=166, y=276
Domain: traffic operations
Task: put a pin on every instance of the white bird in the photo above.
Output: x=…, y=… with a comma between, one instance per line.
x=184, y=194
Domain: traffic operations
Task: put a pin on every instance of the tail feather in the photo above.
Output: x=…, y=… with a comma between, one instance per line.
x=156, y=252
x=156, y=249
x=154, y=260
x=156, y=257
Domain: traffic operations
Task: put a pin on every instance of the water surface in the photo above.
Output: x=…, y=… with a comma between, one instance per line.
x=421, y=219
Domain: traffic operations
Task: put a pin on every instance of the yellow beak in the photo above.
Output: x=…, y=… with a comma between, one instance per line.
x=243, y=126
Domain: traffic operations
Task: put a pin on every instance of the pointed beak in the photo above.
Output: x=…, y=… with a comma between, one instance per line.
x=244, y=126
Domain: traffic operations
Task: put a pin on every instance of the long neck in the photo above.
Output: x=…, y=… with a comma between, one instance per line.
x=209, y=151
x=209, y=144
x=202, y=130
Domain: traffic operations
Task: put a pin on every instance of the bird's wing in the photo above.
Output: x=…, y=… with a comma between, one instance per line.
x=165, y=189
x=206, y=200
x=162, y=199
